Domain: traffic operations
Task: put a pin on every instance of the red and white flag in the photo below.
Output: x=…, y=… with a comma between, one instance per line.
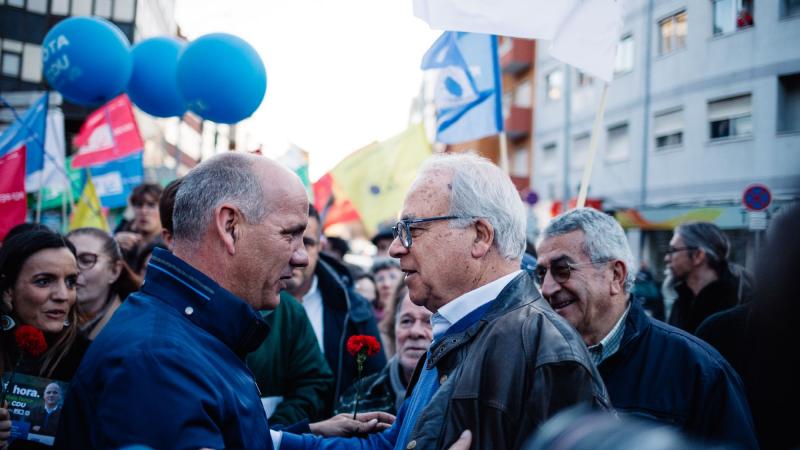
x=108, y=134
x=13, y=203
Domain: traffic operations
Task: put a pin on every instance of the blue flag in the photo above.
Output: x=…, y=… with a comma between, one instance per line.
x=468, y=92
x=29, y=130
x=115, y=180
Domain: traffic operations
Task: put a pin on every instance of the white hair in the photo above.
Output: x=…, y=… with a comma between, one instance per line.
x=228, y=177
x=604, y=238
x=480, y=189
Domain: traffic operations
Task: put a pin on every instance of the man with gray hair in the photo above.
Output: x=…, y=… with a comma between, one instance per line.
x=651, y=369
x=168, y=370
x=501, y=362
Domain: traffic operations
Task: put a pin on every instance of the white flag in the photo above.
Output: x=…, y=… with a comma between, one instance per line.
x=584, y=33
x=54, y=177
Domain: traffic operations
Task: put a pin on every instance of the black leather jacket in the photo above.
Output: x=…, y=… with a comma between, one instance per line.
x=507, y=374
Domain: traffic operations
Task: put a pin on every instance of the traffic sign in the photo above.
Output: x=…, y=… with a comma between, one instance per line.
x=756, y=197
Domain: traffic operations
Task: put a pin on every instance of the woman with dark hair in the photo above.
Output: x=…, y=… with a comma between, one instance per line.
x=38, y=276
x=104, y=281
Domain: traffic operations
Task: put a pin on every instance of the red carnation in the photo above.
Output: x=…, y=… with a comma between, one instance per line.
x=30, y=340
x=361, y=346
x=360, y=342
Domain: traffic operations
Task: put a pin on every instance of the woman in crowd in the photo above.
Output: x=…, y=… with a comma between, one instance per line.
x=387, y=326
x=385, y=390
x=365, y=285
x=105, y=280
x=38, y=279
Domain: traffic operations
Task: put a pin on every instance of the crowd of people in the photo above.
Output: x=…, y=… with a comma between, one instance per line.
x=220, y=317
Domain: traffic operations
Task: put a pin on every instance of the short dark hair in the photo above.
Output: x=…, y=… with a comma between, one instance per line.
x=140, y=192
x=338, y=244
x=167, y=203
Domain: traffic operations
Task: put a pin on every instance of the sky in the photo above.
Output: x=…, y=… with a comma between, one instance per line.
x=340, y=75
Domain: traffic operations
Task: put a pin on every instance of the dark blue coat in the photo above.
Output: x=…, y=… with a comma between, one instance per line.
x=666, y=374
x=168, y=370
x=344, y=313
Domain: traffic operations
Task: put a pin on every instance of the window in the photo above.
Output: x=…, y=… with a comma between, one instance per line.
x=523, y=94
x=790, y=8
x=668, y=128
x=17, y=3
x=81, y=7
x=10, y=63
x=519, y=162
x=59, y=7
x=102, y=8
x=11, y=58
x=506, y=103
x=549, y=158
x=37, y=6
x=732, y=15
x=584, y=79
x=618, y=142
x=789, y=103
x=32, y=63
x=624, y=60
x=124, y=10
x=580, y=150
x=730, y=117
x=673, y=33
x=554, y=82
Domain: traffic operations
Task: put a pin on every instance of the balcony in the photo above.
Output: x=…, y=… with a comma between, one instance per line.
x=519, y=122
x=516, y=55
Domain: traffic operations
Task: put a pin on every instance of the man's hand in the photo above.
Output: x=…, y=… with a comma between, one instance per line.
x=5, y=425
x=127, y=240
x=463, y=442
x=344, y=425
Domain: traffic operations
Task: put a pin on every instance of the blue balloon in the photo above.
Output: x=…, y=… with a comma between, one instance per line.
x=221, y=78
x=154, y=81
x=87, y=60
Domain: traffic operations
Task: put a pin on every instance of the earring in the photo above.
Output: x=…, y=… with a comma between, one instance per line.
x=66, y=322
x=6, y=322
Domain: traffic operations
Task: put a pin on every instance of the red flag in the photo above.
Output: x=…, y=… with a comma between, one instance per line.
x=13, y=202
x=107, y=134
x=333, y=208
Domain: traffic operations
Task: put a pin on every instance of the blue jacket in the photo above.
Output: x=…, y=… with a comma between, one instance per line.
x=168, y=370
x=345, y=313
x=663, y=373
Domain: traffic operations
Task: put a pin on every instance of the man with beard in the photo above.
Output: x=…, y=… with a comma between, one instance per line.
x=651, y=369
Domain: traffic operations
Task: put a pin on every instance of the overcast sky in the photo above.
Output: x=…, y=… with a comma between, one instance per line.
x=340, y=74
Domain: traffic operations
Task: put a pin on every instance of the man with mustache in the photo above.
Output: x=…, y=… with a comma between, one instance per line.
x=651, y=369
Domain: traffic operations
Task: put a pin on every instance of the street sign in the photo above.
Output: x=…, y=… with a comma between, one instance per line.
x=756, y=197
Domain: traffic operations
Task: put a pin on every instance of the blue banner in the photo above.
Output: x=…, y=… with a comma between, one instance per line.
x=115, y=179
x=30, y=131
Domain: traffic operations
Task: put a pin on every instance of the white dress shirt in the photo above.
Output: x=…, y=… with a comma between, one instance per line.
x=457, y=309
x=312, y=303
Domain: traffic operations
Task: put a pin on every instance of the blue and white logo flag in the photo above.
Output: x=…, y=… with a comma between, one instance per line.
x=467, y=94
x=29, y=130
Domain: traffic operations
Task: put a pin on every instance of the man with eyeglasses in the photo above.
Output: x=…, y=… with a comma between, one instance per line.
x=501, y=362
x=651, y=369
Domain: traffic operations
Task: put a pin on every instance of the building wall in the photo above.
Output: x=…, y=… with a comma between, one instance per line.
x=700, y=171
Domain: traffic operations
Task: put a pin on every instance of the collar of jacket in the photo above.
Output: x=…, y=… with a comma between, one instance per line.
x=518, y=293
x=636, y=324
x=205, y=303
x=334, y=282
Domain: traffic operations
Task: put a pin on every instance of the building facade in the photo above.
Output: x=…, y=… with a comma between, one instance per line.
x=705, y=102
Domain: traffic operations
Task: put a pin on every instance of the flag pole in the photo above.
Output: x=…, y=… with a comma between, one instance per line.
x=587, y=170
x=504, y=152
x=39, y=197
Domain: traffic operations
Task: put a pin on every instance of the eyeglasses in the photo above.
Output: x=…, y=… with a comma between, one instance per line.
x=86, y=260
x=679, y=249
x=402, y=230
x=560, y=270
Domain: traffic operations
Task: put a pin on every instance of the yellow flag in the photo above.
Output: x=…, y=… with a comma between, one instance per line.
x=88, y=211
x=376, y=178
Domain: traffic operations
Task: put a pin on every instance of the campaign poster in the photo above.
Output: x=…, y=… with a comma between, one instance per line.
x=35, y=407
